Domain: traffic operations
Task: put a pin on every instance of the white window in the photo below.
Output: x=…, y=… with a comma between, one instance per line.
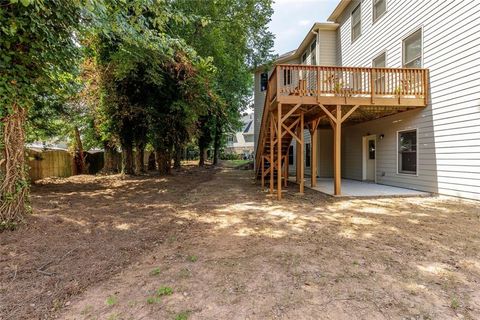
x=379, y=78
x=263, y=81
x=379, y=8
x=304, y=58
x=313, y=53
x=380, y=61
x=412, y=50
x=407, y=151
x=356, y=22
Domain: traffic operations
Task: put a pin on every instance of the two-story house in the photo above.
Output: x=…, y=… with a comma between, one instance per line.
x=387, y=91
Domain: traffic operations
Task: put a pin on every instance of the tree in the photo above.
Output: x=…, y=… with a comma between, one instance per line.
x=38, y=54
x=234, y=34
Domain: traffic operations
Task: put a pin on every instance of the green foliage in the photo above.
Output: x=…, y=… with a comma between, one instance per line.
x=111, y=300
x=152, y=300
x=182, y=315
x=155, y=272
x=192, y=258
x=164, y=291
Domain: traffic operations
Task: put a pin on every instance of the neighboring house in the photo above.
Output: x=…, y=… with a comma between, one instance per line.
x=407, y=82
x=241, y=142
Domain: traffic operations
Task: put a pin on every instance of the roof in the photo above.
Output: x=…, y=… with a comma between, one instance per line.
x=338, y=10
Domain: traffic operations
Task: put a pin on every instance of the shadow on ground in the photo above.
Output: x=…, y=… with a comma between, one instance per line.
x=101, y=247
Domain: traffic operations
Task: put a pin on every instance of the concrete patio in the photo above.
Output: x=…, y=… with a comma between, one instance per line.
x=354, y=188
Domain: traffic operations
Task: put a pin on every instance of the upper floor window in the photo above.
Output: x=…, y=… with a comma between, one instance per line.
x=356, y=22
x=380, y=61
x=304, y=58
x=379, y=8
x=263, y=81
x=412, y=50
x=313, y=53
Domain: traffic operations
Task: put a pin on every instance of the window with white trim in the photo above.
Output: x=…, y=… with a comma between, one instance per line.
x=263, y=81
x=379, y=8
x=313, y=53
x=407, y=151
x=412, y=50
x=379, y=79
x=356, y=22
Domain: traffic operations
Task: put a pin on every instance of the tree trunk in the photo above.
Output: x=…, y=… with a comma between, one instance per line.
x=80, y=164
x=178, y=158
x=151, y=161
x=109, y=157
x=14, y=184
x=127, y=159
x=139, y=158
x=217, y=142
x=163, y=159
x=203, y=156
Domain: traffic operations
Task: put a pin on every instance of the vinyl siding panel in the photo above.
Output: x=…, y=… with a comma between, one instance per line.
x=449, y=128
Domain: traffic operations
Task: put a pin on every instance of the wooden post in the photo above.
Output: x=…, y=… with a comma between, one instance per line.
x=313, y=165
x=302, y=154
x=279, y=151
x=263, y=172
x=337, y=153
x=285, y=181
x=297, y=156
x=272, y=132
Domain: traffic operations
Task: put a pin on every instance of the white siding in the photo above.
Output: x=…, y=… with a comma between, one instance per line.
x=327, y=40
x=449, y=128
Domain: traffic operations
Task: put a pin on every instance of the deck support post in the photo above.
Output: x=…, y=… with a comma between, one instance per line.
x=286, y=164
x=314, y=150
x=337, y=151
x=302, y=154
x=279, y=151
x=272, y=132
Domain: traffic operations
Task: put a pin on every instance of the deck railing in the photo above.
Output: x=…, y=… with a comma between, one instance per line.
x=305, y=80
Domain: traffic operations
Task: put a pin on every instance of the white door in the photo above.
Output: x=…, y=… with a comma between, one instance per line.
x=369, y=156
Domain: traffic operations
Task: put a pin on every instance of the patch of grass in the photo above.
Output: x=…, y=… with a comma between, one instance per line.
x=111, y=301
x=182, y=315
x=87, y=310
x=192, y=258
x=152, y=300
x=454, y=304
x=164, y=291
x=113, y=316
x=155, y=272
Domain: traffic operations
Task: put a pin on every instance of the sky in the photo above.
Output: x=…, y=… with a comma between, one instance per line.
x=292, y=19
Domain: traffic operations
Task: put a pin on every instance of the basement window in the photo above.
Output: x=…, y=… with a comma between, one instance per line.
x=407, y=151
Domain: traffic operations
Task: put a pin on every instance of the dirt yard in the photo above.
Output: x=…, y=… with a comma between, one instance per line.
x=209, y=244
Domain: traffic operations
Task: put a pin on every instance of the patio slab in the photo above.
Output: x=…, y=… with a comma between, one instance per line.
x=354, y=188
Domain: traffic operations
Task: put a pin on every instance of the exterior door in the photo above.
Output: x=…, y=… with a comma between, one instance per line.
x=369, y=156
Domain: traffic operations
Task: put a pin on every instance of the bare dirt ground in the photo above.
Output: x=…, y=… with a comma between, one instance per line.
x=209, y=244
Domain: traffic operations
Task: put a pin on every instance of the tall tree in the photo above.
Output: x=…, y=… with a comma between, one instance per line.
x=235, y=34
x=38, y=53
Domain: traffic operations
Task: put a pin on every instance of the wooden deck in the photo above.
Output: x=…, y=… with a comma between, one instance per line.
x=302, y=96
